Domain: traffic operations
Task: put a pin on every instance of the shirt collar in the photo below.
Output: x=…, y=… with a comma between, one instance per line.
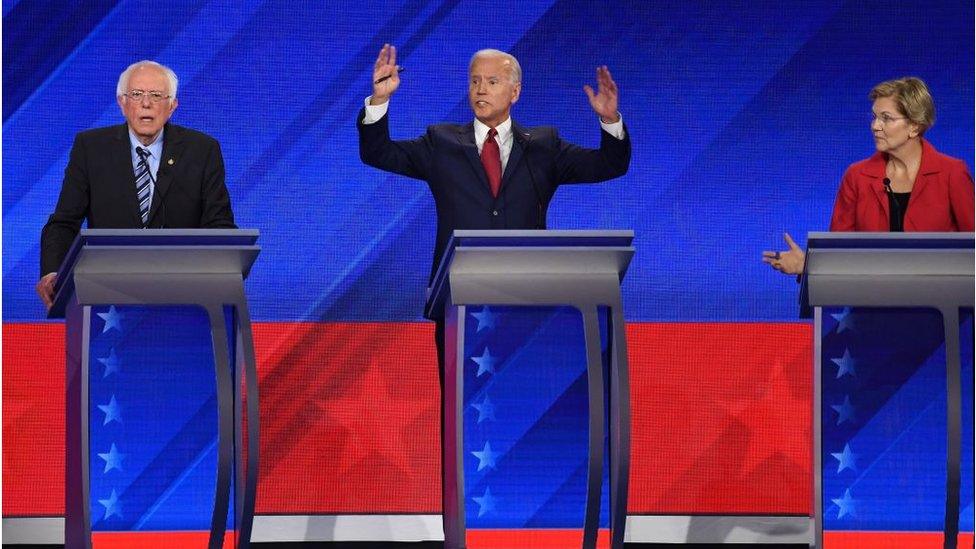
x=155, y=148
x=481, y=131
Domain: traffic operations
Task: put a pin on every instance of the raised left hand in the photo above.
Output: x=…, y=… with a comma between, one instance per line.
x=604, y=100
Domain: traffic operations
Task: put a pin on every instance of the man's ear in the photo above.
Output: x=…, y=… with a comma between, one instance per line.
x=516, y=91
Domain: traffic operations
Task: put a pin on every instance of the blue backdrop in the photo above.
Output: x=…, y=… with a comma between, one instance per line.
x=743, y=114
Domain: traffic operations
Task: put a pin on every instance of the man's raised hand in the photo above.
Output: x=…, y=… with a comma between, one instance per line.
x=604, y=100
x=386, y=76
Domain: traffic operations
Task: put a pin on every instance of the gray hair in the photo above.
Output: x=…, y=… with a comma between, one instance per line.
x=515, y=67
x=120, y=89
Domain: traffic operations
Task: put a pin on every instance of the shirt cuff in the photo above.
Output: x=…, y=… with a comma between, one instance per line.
x=375, y=112
x=615, y=129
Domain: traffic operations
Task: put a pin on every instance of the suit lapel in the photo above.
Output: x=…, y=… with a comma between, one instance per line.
x=875, y=169
x=466, y=139
x=172, y=151
x=928, y=167
x=520, y=142
x=124, y=173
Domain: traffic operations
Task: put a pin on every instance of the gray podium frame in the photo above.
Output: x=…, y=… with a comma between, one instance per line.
x=539, y=268
x=204, y=267
x=931, y=270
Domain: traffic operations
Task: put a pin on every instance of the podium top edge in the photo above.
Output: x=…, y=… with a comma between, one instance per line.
x=890, y=240
x=169, y=232
x=536, y=233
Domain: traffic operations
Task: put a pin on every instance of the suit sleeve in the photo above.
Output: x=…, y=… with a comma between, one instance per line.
x=844, y=218
x=961, y=197
x=215, y=211
x=575, y=164
x=71, y=210
x=411, y=158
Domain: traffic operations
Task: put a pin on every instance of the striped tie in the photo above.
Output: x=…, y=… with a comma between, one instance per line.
x=143, y=181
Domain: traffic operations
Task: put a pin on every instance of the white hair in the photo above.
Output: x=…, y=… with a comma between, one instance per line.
x=123, y=84
x=515, y=67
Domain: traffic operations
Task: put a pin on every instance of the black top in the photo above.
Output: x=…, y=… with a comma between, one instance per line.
x=897, y=204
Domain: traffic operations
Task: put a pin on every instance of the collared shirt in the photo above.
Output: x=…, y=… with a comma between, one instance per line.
x=155, y=154
x=375, y=112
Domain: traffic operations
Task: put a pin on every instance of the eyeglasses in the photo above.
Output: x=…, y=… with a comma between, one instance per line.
x=886, y=118
x=154, y=96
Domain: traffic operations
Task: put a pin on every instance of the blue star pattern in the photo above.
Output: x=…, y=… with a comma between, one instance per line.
x=845, y=320
x=112, y=411
x=111, y=363
x=845, y=364
x=845, y=410
x=113, y=459
x=845, y=505
x=486, y=319
x=485, y=362
x=846, y=459
x=486, y=457
x=112, y=505
x=113, y=319
x=486, y=502
x=486, y=410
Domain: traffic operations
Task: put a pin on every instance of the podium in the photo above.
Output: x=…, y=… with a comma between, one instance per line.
x=893, y=402
x=161, y=426
x=536, y=396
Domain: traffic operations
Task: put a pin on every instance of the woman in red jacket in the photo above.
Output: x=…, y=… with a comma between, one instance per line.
x=906, y=185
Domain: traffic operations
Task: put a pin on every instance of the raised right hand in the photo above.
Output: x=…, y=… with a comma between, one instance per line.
x=385, y=66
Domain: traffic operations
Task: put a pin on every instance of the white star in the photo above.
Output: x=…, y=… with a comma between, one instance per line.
x=486, y=458
x=113, y=319
x=113, y=459
x=112, y=505
x=845, y=320
x=487, y=502
x=486, y=362
x=111, y=363
x=846, y=459
x=486, y=319
x=845, y=411
x=846, y=504
x=112, y=411
x=845, y=364
x=486, y=410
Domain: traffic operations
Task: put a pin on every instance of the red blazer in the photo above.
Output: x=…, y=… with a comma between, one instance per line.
x=942, y=197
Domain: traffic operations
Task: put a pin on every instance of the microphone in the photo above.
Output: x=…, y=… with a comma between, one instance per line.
x=894, y=203
x=540, y=219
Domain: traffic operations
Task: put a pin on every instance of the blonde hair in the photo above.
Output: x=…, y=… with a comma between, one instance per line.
x=912, y=97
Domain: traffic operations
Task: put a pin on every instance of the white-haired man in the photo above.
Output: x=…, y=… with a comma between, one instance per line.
x=145, y=173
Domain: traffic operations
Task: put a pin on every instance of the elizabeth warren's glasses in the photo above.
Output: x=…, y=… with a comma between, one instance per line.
x=884, y=117
x=154, y=96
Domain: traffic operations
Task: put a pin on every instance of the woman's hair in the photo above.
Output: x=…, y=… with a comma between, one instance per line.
x=913, y=99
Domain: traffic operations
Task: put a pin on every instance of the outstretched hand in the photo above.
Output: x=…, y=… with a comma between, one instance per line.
x=384, y=67
x=787, y=262
x=604, y=100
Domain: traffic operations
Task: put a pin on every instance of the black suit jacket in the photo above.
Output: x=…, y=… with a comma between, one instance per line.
x=446, y=157
x=100, y=186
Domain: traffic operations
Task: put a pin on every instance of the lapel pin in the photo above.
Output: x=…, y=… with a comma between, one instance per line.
x=170, y=162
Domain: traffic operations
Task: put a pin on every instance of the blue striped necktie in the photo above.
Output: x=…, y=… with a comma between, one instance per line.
x=143, y=180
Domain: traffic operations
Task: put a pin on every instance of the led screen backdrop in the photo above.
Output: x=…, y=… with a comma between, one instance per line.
x=743, y=117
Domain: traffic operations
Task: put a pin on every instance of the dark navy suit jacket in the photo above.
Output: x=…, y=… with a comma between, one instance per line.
x=100, y=186
x=446, y=157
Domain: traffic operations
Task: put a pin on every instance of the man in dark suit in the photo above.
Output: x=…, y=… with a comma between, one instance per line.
x=146, y=173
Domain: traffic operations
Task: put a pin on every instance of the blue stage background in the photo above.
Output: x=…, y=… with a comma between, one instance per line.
x=743, y=115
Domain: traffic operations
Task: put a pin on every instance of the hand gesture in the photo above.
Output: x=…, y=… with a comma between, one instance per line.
x=386, y=75
x=789, y=262
x=45, y=288
x=604, y=101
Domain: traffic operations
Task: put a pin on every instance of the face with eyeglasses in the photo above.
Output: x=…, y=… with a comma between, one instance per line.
x=890, y=127
x=147, y=104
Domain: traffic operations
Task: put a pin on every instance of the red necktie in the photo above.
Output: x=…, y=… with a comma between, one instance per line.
x=491, y=159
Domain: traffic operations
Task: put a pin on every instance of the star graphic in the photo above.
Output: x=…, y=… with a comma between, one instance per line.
x=486, y=362
x=370, y=421
x=487, y=502
x=845, y=411
x=112, y=411
x=486, y=319
x=112, y=505
x=486, y=457
x=845, y=364
x=846, y=459
x=486, y=410
x=113, y=319
x=845, y=504
x=111, y=363
x=845, y=320
x=113, y=459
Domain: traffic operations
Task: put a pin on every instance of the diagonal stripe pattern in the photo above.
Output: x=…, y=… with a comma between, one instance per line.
x=144, y=180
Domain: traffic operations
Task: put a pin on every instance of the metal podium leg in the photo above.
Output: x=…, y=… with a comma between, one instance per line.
x=619, y=428
x=225, y=425
x=246, y=358
x=594, y=472
x=950, y=323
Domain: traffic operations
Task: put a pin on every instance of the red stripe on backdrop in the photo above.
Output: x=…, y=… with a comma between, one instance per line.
x=892, y=540
x=721, y=418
